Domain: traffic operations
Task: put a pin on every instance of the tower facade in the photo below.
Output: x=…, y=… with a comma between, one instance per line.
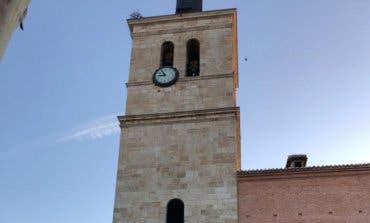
x=180, y=136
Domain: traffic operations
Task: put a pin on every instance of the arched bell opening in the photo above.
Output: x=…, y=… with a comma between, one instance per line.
x=167, y=54
x=193, y=59
x=175, y=211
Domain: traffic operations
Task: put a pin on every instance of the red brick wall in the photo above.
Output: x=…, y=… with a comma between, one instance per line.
x=315, y=197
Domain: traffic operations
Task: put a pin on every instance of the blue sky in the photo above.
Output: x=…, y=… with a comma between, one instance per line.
x=304, y=89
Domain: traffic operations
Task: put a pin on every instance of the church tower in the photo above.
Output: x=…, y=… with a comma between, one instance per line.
x=180, y=136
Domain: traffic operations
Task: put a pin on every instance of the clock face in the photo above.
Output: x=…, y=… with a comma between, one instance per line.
x=165, y=76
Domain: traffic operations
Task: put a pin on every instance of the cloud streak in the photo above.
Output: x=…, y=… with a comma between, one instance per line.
x=96, y=129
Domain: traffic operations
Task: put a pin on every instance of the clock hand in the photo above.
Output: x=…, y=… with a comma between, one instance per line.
x=163, y=74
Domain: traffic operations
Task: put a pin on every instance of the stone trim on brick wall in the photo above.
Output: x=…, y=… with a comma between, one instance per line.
x=178, y=117
x=315, y=171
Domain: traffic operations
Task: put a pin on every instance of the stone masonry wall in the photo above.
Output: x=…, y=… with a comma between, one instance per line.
x=181, y=141
x=214, y=35
x=190, y=93
x=194, y=161
x=212, y=89
x=335, y=197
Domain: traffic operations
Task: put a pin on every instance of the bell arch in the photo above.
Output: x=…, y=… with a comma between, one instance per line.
x=193, y=58
x=167, y=51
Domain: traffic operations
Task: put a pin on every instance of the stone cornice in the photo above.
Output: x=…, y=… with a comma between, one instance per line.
x=184, y=79
x=178, y=17
x=182, y=30
x=179, y=117
x=307, y=172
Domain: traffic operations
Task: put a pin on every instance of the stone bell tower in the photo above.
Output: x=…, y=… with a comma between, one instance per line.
x=180, y=146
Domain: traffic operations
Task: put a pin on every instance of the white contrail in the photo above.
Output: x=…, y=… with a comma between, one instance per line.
x=96, y=129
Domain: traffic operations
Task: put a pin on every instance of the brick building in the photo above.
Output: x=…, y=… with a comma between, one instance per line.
x=305, y=194
x=179, y=157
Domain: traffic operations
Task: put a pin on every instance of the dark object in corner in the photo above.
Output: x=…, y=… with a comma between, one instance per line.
x=23, y=16
x=296, y=161
x=184, y=6
x=136, y=15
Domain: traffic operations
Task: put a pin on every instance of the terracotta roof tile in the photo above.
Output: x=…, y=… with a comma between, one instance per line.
x=304, y=169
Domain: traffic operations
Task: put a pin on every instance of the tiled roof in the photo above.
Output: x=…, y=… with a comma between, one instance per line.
x=304, y=169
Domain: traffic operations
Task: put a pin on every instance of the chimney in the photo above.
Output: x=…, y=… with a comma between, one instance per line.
x=296, y=161
x=184, y=6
